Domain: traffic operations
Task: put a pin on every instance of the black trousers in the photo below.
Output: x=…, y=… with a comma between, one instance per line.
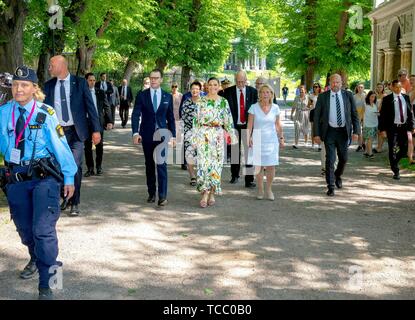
x=235, y=168
x=398, y=146
x=124, y=110
x=76, y=146
x=336, y=141
x=99, y=150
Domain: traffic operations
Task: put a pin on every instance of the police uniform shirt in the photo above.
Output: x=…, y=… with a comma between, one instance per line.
x=333, y=109
x=57, y=102
x=397, y=119
x=48, y=135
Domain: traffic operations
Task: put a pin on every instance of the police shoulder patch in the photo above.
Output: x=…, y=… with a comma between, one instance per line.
x=49, y=110
x=59, y=131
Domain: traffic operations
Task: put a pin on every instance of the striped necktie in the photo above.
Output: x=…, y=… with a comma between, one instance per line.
x=339, y=112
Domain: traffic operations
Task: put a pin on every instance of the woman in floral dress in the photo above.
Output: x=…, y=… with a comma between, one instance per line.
x=212, y=118
x=187, y=115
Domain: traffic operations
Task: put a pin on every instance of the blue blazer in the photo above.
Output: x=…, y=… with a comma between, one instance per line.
x=143, y=108
x=81, y=105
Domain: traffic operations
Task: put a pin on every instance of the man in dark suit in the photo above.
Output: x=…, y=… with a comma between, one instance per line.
x=105, y=86
x=155, y=107
x=335, y=118
x=72, y=101
x=105, y=120
x=396, y=121
x=240, y=98
x=126, y=98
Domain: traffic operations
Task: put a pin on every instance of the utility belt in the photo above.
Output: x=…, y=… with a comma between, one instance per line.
x=26, y=171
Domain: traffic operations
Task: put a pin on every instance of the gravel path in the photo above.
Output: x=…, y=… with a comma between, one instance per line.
x=358, y=245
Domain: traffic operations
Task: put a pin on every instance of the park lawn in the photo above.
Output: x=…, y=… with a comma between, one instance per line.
x=404, y=164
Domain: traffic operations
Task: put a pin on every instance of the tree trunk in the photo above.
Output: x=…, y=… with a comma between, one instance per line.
x=345, y=78
x=129, y=69
x=161, y=64
x=12, y=19
x=303, y=79
x=311, y=31
x=185, y=78
x=86, y=50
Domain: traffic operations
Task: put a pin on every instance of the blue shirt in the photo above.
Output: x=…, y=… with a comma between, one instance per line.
x=49, y=137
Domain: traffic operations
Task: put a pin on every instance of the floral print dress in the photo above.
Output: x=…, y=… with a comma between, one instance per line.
x=188, y=113
x=212, y=118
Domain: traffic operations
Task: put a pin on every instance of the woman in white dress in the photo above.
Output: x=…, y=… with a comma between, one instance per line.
x=265, y=138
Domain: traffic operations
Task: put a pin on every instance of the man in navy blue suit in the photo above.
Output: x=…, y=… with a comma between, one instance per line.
x=157, y=126
x=72, y=100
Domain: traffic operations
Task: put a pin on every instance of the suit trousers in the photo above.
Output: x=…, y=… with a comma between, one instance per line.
x=77, y=148
x=336, y=141
x=150, y=153
x=236, y=167
x=99, y=150
x=397, y=142
x=124, y=111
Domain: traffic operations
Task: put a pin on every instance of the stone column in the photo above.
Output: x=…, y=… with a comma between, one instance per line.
x=380, y=76
x=390, y=56
x=406, y=56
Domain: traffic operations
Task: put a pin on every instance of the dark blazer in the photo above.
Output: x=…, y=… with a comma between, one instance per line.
x=250, y=99
x=104, y=109
x=81, y=105
x=143, y=108
x=108, y=93
x=387, y=113
x=322, y=114
x=129, y=93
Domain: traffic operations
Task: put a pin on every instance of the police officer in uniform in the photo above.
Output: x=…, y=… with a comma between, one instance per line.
x=38, y=161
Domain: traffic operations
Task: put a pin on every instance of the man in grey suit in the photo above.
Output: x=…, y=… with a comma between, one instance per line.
x=335, y=118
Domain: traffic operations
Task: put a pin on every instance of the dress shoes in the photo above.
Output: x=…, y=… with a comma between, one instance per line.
x=162, y=202
x=99, y=172
x=29, y=271
x=396, y=176
x=64, y=204
x=234, y=180
x=250, y=185
x=74, y=211
x=338, y=183
x=88, y=173
x=330, y=192
x=151, y=199
x=45, y=294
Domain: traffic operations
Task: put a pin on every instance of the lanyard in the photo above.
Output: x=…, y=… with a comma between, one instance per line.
x=19, y=136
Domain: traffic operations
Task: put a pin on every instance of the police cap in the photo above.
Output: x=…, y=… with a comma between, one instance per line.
x=24, y=73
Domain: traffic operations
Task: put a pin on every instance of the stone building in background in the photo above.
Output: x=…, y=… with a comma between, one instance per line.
x=393, y=37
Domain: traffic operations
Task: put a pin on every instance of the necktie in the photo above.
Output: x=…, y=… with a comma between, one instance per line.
x=242, y=107
x=401, y=110
x=19, y=128
x=64, y=104
x=338, y=111
x=155, y=101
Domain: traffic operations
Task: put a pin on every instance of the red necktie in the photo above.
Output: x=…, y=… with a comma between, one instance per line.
x=242, y=107
x=400, y=109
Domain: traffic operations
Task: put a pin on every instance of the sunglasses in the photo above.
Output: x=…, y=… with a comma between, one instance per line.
x=174, y=86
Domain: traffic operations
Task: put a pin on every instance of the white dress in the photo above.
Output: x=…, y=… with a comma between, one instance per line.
x=265, y=151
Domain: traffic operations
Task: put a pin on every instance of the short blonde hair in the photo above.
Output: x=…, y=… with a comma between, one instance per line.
x=264, y=87
x=39, y=95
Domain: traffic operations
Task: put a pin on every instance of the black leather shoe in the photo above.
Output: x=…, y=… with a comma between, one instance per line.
x=162, y=202
x=99, y=171
x=64, y=204
x=29, y=271
x=45, y=294
x=74, y=211
x=338, y=183
x=151, y=199
x=234, y=180
x=330, y=192
x=250, y=185
x=89, y=172
x=396, y=176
